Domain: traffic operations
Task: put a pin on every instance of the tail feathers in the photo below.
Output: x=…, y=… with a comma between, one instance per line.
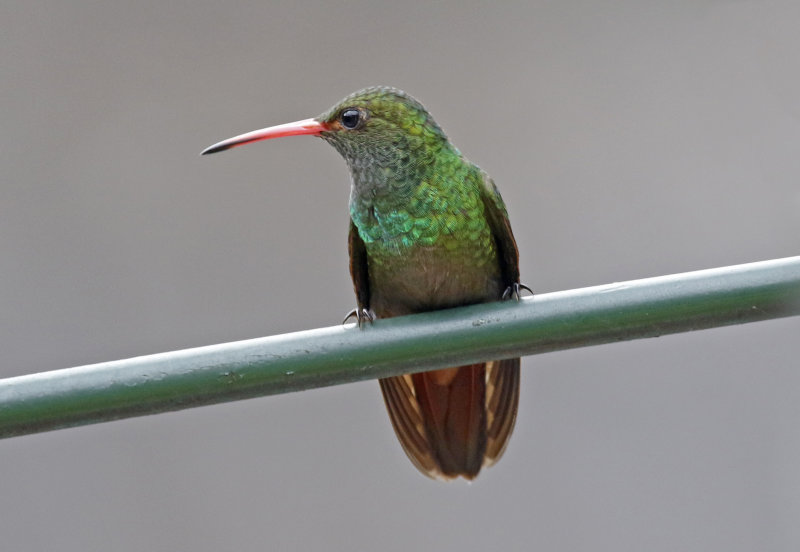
x=452, y=422
x=454, y=414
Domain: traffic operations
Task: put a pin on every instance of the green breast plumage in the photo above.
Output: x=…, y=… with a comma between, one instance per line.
x=443, y=212
x=429, y=246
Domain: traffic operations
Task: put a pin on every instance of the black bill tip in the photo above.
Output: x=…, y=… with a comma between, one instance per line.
x=215, y=149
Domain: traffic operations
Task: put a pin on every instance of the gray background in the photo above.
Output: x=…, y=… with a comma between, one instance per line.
x=629, y=139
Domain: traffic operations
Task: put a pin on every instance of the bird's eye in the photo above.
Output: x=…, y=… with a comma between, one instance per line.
x=350, y=118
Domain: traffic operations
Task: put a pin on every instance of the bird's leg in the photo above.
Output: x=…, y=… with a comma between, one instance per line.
x=515, y=291
x=362, y=316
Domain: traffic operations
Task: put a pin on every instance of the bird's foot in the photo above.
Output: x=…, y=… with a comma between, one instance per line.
x=515, y=291
x=362, y=316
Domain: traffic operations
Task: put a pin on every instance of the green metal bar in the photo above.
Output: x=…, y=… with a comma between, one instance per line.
x=341, y=354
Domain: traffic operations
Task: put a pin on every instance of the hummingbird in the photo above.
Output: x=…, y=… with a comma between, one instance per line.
x=428, y=231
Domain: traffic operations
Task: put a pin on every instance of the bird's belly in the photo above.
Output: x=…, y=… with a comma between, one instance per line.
x=430, y=278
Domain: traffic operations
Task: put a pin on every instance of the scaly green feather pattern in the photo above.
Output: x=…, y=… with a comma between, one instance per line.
x=443, y=211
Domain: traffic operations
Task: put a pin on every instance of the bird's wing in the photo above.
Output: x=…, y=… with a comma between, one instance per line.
x=497, y=216
x=502, y=376
x=358, y=267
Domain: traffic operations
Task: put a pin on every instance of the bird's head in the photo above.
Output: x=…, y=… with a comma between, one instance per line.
x=377, y=127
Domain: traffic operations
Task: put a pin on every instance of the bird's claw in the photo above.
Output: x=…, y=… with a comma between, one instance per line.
x=362, y=316
x=515, y=291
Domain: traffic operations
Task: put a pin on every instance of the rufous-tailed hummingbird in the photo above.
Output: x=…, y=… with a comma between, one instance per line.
x=428, y=230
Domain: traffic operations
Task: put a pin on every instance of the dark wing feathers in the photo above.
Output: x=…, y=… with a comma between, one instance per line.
x=359, y=269
x=497, y=216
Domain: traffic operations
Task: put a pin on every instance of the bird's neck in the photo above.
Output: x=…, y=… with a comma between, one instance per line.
x=393, y=175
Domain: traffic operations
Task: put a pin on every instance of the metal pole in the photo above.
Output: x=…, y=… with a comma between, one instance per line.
x=341, y=354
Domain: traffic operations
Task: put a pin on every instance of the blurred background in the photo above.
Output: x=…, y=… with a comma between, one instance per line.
x=629, y=139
